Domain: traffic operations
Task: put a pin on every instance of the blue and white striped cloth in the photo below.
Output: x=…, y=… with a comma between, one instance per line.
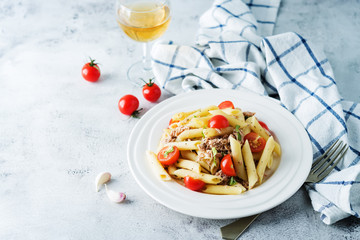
x=235, y=49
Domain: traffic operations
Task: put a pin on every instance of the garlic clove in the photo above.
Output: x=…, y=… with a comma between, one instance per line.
x=102, y=178
x=117, y=197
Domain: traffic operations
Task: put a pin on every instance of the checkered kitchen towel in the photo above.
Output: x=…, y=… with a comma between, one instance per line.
x=234, y=49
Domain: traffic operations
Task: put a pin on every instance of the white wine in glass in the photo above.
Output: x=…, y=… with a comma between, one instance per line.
x=142, y=21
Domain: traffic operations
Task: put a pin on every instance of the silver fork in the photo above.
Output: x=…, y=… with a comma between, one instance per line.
x=319, y=170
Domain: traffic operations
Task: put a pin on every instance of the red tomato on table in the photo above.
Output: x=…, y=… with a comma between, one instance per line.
x=227, y=165
x=257, y=143
x=218, y=121
x=91, y=71
x=168, y=155
x=128, y=104
x=151, y=91
x=193, y=184
x=226, y=104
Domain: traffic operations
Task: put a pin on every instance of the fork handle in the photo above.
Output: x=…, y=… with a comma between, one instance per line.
x=233, y=230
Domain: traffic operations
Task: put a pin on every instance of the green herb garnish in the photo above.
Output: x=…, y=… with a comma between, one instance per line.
x=214, y=152
x=237, y=129
x=169, y=150
x=232, y=181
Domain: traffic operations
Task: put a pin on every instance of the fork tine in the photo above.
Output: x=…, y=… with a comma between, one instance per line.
x=327, y=156
x=325, y=163
x=343, y=150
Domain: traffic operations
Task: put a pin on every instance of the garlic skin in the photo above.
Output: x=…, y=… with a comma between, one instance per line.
x=116, y=197
x=102, y=178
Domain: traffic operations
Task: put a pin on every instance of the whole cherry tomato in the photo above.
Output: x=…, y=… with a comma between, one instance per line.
x=193, y=184
x=151, y=91
x=91, y=71
x=227, y=165
x=226, y=104
x=218, y=121
x=257, y=143
x=168, y=155
x=128, y=104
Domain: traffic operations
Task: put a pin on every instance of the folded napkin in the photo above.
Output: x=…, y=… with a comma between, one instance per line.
x=234, y=49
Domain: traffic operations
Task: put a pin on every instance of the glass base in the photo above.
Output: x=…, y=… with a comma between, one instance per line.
x=137, y=73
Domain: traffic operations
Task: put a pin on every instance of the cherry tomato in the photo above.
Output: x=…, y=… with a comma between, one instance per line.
x=128, y=104
x=226, y=104
x=264, y=125
x=218, y=121
x=227, y=165
x=173, y=121
x=91, y=71
x=151, y=91
x=193, y=184
x=168, y=155
x=257, y=143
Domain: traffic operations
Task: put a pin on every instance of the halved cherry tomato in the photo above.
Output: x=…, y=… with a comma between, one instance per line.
x=227, y=165
x=91, y=71
x=218, y=121
x=151, y=91
x=168, y=155
x=226, y=104
x=264, y=125
x=173, y=121
x=193, y=184
x=128, y=104
x=257, y=143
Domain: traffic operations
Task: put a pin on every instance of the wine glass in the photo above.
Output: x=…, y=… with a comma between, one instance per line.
x=142, y=21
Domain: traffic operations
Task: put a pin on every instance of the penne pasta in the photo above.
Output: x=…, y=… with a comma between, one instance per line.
x=186, y=145
x=190, y=165
x=171, y=169
x=157, y=167
x=214, y=132
x=223, y=189
x=201, y=122
x=189, y=155
x=194, y=157
x=237, y=158
x=265, y=158
x=191, y=133
x=270, y=162
x=207, y=178
x=236, y=112
x=182, y=115
x=250, y=165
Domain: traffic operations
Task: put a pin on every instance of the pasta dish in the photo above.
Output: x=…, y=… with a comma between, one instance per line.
x=216, y=150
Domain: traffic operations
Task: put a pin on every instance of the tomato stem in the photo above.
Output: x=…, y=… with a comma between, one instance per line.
x=92, y=62
x=136, y=113
x=150, y=83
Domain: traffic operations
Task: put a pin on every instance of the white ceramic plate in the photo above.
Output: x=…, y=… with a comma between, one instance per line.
x=292, y=171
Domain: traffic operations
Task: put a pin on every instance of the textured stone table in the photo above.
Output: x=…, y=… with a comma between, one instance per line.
x=57, y=131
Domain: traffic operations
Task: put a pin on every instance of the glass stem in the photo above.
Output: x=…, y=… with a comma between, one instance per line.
x=147, y=56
